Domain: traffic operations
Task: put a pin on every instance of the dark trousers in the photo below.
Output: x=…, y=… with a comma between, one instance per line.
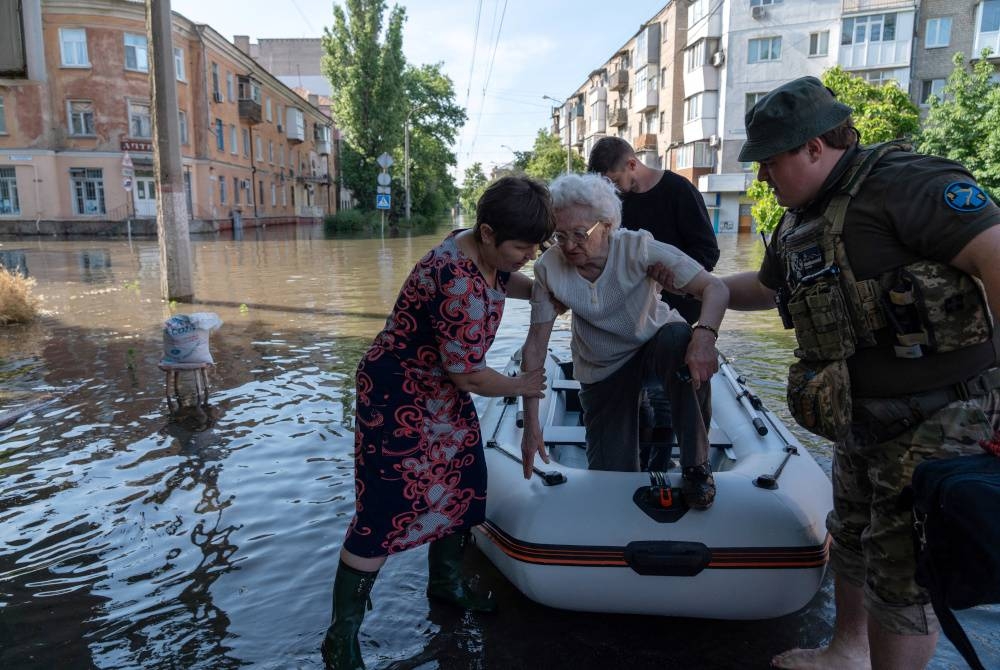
x=611, y=406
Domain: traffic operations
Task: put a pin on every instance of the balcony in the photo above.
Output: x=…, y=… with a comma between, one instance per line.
x=649, y=101
x=618, y=81
x=250, y=111
x=859, y=6
x=618, y=117
x=581, y=127
x=645, y=142
x=323, y=147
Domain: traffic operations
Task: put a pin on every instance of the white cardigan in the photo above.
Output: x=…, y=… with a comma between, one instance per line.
x=617, y=313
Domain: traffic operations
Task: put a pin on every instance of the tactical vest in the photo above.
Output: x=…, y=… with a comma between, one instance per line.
x=929, y=307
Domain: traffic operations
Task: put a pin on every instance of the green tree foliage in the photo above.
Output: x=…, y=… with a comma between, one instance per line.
x=473, y=185
x=548, y=158
x=965, y=124
x=434, y=123
x=366, y=78
x=881, y=113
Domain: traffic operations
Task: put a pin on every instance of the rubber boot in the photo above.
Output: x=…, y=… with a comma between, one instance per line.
x=445, y=583
x=698, y=486
x=351, y=587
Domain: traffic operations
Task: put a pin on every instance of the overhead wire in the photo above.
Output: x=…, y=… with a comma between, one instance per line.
x=489, y=71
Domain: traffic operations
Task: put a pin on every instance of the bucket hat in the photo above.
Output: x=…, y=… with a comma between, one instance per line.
x=789, y=116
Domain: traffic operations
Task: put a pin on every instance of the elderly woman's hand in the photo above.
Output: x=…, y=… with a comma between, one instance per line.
x=532, y=443
x=531, y=384
x=702, y=359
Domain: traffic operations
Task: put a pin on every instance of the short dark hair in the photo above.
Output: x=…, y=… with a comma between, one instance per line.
x=609, y=153
x=516, y=208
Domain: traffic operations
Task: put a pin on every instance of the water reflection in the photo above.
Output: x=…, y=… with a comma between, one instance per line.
x=132, y=539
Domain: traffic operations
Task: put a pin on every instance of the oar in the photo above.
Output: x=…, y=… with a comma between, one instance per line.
x=750, y=403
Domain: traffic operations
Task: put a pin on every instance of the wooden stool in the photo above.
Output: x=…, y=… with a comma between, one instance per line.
x=173, y=370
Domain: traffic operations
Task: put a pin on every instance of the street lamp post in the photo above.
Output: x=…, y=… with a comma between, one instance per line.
x=406, y=157
x=569, y=139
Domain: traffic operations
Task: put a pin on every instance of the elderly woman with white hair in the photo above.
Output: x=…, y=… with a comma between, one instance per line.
x=624, y=336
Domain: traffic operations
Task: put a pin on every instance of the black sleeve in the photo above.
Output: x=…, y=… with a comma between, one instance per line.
x=700, y=242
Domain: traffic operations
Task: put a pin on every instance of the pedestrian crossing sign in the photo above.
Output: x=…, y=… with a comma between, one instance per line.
x=382, y=201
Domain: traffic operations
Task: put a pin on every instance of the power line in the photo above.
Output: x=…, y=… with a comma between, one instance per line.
x=489, y=72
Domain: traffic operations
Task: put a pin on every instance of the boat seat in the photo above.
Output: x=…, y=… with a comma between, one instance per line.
x=565, y=435
x=565, y=385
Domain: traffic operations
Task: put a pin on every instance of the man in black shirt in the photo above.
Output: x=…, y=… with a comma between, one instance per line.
x=673, y=211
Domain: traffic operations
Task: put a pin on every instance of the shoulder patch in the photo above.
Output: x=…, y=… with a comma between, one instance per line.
x=963, y=196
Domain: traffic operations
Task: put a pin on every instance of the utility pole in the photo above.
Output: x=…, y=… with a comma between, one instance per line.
x=171, y=207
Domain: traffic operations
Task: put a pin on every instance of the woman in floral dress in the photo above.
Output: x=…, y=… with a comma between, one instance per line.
x=420, y=473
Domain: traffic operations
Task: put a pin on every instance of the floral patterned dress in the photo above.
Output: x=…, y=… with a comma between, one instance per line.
x=420, y=472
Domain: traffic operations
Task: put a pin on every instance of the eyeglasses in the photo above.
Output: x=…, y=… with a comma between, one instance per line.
x=576, y=237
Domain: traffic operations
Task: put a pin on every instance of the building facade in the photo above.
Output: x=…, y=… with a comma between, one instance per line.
x=76, y=134
x=678, y=90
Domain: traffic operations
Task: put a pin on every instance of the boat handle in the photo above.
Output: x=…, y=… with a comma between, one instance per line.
x=552, y=478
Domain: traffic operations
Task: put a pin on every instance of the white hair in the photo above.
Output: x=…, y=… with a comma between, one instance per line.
x=591, y=190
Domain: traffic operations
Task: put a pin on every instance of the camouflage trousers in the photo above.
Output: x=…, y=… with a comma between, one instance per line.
x=872, y=529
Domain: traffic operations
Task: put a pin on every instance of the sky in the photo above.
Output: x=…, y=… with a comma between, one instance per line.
x=523, y=50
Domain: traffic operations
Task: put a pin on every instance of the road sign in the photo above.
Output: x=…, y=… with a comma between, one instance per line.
x=384, y=161
x=383, y=189
x=383, y=179
x=127, y=183
x=126, y=160
x=382, y=201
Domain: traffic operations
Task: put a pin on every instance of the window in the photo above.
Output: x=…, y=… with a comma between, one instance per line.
x=938, y=32
x=695, y=155
x=929, y=88
x=9, y=204
x=270, y=152
x=987, y=33
x=990, y=22
x=234, y=147
x=236, y=190
x=216, y=95
x=140, y=123
x=88, y=190
x=246, y=142
x=281, y=154
x=12, y=58
x=694, y=57
x=878, y=77
x=267, y=110
x=229, y=87
x=259, y=155
x=764, y=49
x=274, y=195
x=3, y=118
x=136, y=56
x=220, y=138
x=222, y=190
x=73, y=47
x=760, y=3
x=260, y=192
x=81, y=117
x=819, y=43
x=179, y=64
x=183, y=118
x=692, y=107
x=874, y=28
x=752, y=99
x=697, y=11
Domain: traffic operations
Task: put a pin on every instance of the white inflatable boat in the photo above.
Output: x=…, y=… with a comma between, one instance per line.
x=626, y=541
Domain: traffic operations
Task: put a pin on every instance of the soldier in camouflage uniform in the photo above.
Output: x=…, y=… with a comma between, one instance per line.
x=873, y=266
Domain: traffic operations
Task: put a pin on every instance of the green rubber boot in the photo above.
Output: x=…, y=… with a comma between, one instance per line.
x=351, y=587
x=445, y=583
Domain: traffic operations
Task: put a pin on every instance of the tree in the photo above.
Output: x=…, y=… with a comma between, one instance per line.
x=366, y=79
x=548, y=158
x=964, y=125
x=434, y=124
x=880, y=113
x=473, y=185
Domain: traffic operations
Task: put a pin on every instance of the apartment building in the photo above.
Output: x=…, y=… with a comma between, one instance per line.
x=682, y=102
x=76, y=121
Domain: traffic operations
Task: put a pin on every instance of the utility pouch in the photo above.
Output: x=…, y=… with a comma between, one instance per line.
x=949, y=304
x=819, y=397
x=878, y=420
x=822, y=322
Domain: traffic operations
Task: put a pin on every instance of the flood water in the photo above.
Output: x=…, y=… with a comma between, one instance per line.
x=129, y=540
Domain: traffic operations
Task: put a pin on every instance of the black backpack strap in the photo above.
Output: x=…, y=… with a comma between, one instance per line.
x=952, y=628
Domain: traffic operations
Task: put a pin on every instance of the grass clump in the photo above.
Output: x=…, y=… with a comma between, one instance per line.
x=17, y=303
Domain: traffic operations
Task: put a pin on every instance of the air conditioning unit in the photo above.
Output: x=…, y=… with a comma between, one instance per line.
x=714, y=140
x=217, y=96
x=245, y=184
x=718, y=58
x=758, y=12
